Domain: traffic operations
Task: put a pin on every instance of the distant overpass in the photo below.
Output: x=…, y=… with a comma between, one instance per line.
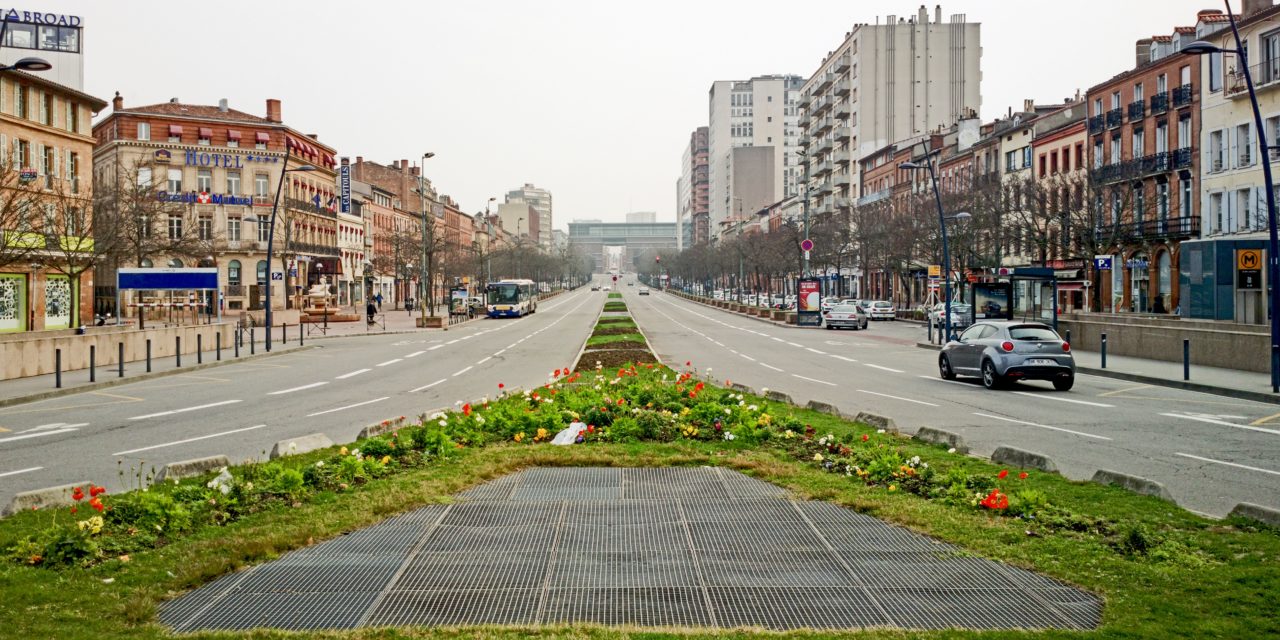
x=637, y=239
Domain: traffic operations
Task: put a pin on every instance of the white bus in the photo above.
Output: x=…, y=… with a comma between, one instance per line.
x=512, y=298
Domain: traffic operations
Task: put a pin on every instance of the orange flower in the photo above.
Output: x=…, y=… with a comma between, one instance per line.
x=466, y=409
x=1004, y=473
x=1022, y=476
x=996, y=500
x=557, y=373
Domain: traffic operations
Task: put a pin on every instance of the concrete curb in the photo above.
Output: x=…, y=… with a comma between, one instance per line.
x=946, y=438
x=1026, y=459
x=380, y=428
x=189, y=468
x=1265, y=515
x=775, y=323
x=876, y=420
x=742, y=388
x=301, y=444
x=778, y=396
x=115, y=382
x=824, y=407
x=1241, y=394
x=59, y=496
x=929, y=345
x=1135, y=484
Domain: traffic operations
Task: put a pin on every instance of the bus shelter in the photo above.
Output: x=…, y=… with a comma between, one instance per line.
x=1027, y=294
x=199, y=283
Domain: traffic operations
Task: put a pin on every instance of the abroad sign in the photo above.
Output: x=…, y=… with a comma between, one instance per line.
x=225, y=160
x=36, y=17
x=204, y=197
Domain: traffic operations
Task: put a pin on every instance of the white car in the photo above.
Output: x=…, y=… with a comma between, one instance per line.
x=882, y=310
x=644, y=291
x=844, y=315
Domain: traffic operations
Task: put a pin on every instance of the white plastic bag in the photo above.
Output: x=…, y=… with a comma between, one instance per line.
x=570, y=433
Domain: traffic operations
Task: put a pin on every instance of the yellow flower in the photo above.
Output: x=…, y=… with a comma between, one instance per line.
x=342, y=451
x=789, y=434
x=386, y=459
x=542, y=434
x=817, y=457
x=893, y=487
x=92, y=525
x=519, y=436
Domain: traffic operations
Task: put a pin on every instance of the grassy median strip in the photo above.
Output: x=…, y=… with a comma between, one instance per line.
x=615, y=295
x=630, y=337
x=615, y=306
x=1162, y=570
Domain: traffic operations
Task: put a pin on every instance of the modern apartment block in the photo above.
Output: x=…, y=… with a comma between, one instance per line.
x=885, y=83
x=691, y=192
x=760, y=112
x=540, y=200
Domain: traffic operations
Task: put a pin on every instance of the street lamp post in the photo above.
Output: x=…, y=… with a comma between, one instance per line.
x=271, y=233
x=1201, y=47
x=942, y=224
x=423, y=285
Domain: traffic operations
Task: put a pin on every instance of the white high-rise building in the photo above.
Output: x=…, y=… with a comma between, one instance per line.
x=884, y=84
x=540, y=200
x=760, y=112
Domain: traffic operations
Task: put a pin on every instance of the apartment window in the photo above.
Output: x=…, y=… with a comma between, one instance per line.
x=1244, y=210
x=1273, y=130
x=73, y=117
x=233, y=183
x=175, y=181
x=1162, y=83
x=144, y=131
x=1137, y=92
x=175, y=227
x=1184, y=132
x=1042, y=165
x=144, y=226
x=50, y=218
x=46, y=109
x=769, y=118
x=1162, y=200
x=1162, y=137
x=50, y=167
x=1097, y=106
x=1139, y=143
x=1184, y=197
x=204, y=180
x=206, y=228
x=73, y=171
x=1139, y=203
x=71, y=222
x=144, y=177
x=1115, y=100
x=260, y=185
x=1217, y=150
x=1184, y=75
x=233, y=271
x=262, y=272
x=1097, y=154
x=1217, y=213
x=233, y=229
x=1080, y=155
x=1115, y=150
x=1244, y=145
x=264, y=230
x=20, y=96
x=1215, y=71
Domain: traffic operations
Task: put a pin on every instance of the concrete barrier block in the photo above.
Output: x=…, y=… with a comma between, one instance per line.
x=823, y=407
x=944, y=438
x=876, y=420
x=1266, y=515
x=300, y=444
x=778, y=396
x=742, y=388
x=1025, y=459
x=1135, y=484
x=58, y=496
x=189, y=468
x=381, y=428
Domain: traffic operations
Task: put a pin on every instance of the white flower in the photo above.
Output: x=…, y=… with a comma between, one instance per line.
x=753, y=407
x=527, y=392
x=764, y=390
x=319, y=463
x=293, y=446
x=831, y=437
x=615, y=381
x=443, y=423
x=457, y=403
x=739, y=396
x=729, y=436
x=727, y=412
x=742, y=402
x=479, y=419
x=822, y=440
x=924, y=465
x=484, y=400
x=879, y=430
x=951, y=450
x=437, y=415
x=915, y=460
x=355, y=452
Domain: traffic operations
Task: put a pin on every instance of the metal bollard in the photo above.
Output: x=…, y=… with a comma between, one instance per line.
x=217, y=348
x=1068, y=336
x=177, y=349
x=57, y=368
x=148, y=355
x=120, y=360
x=1186, y=359
x=199, y=349
x=235, y=343
x=93, y=368
x=301, y=333
x=1104, y=351
x=251, y=347
x=284, y=333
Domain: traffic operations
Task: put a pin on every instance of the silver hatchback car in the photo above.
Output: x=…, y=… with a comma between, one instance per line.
x=1008, y=351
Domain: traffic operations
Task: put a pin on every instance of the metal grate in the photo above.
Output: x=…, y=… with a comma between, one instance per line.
x=675, y=547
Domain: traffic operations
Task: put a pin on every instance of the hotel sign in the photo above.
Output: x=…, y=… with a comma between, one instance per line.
x=36, y=17
x=225, y=160
x=344, y=185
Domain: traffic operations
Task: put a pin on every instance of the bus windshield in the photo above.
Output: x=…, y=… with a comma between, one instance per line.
x=504, y=294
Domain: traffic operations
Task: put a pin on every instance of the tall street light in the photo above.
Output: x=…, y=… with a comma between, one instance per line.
x=271, y=233
x=488, y=246
x=1201, y=47
x=426, y=245
x=927, y=163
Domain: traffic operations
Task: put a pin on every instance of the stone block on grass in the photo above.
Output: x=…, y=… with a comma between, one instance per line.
x=742, y=388
x=381, y=428
x=823, y=407
x=1266, y=515
x=778, y=396
x=190, y=468
x=946, y=438
x=1135, y=484
x=59, y=496
x=300, y=444
x=1025, y=459
x=876, y=420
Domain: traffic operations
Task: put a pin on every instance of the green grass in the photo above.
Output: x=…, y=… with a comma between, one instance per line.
x=615, y=295
x=1221, y=584
x=594, y=341
x=616, y=323
x=615, y=306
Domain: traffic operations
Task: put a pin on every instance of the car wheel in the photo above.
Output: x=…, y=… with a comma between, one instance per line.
x=829, y=327
x=1064, y=384
x=990, y=379
x=944, y=368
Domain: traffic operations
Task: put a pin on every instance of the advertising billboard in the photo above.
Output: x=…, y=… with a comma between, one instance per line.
x=809, y=302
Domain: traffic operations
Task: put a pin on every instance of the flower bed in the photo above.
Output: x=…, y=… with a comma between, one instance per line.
x=615, y=306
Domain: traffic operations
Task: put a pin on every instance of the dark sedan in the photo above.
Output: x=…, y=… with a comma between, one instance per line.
x=1002, y=351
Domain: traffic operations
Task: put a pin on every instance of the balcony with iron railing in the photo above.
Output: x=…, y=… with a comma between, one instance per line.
x=1266, y=74
x=1137, y=110
x=1159, y=162
x=314, y=249
x=308, y=207
x=1182, y=158
x=1147, y=230
x=1182, y=96
x=1115, y=118
x=1160, y=102
x=1097, y=124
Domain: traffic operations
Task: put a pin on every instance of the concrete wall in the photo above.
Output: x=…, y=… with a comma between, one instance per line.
x=27, y=354
x=1213, y=344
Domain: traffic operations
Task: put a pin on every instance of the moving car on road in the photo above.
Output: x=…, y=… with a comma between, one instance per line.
x=644, y=291
x=1003, y=351
x=845, y=315
x=882, y=310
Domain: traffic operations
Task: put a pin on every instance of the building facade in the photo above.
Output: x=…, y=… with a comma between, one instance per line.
x=57, y=38
x=626, y=243
x=46, y=204
x=692, y=212
x=540, y=200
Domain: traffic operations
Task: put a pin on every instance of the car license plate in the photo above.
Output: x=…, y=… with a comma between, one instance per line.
x=1042, y=362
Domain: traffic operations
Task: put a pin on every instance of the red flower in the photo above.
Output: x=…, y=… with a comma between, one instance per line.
x=688, y=363
x=77, y=495
x=996, y=500
x=73, y=509
x=1004, y=473
x=619, y=402
x=697, y=387
x=693, y=394
x=865, y=437
x=1022, y=476
x=466, y=409
x=96, y=504
x=501, y=386
x=557, y=373
x=591, y=428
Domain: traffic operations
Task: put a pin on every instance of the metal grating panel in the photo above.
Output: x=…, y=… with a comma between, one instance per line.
x=825, y=512
x=441, y=571
x=501, y=514
x=925, y=569
x=495, y=540
x=764, y=536
x=322, y=573
x=755, y=510
x=966, y=609
x=794, y=608
x=379, y=540
x=175, y=612
x=621, y=513
x=578, y=493
x=761, y=568
x=571, y=476
x=879, y=538
x=744, y=487
x=291, y=611
x=623, y=569
x=661, y=607
x=1081, y=608
x=658, y=537
x=499, y=489
x=454, y=608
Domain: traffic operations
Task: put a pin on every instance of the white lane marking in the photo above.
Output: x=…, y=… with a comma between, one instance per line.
x=798, y=346
x=14, y=473
x=170, y=444
x=876, y=366
x=434, y=348
x=734, y=351
x=452, y=341
x=512, y=345
x=350, y=406
x=305, y=386
x=1221, y=422
x=946, y=381
x=484, y=360
x=383, y=364
x=427, y=386
x=1046, y=396
x=55, y=425
x=885, y=395
x=843, y=358
x=776, y=339
x=353, y=373
x=468, y=337
x=769, y=366
x=1229, y=464
x=811, y=349
x=196, y=408
x=747, y=357
x=37, y=435
x=464, y=370
x=499, y=352
x=1042, y=426
x=829, y=384
x=415, y=354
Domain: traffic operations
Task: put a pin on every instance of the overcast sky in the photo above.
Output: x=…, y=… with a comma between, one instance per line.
x=592, y=100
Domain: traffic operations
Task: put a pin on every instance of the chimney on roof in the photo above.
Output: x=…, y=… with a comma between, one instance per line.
x=173, y=101
x=222, y=105
x=359, y=159
x=413, y=171
x=1253, y=6
x=937, y=13
x=1029, y=105
x=404, y=166
x=273, y=110
x=117, y=103
x=1142, y=51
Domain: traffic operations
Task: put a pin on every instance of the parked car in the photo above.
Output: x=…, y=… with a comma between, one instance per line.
x=644, y=291
x=882, y=310
x=845, y=315
x=1000, y=351
x=960, y=314
x=595, y=287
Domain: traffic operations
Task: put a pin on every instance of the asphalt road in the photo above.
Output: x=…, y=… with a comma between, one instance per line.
x=1211, y=452
x=242, y=409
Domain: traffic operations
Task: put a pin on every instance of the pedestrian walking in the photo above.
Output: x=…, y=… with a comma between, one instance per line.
x=370, y=311
x=378, y=299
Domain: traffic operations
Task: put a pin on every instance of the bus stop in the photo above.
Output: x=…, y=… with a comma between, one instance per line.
x=1028, y=294
x=147, y=285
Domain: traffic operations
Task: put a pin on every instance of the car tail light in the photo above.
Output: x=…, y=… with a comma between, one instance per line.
x=1066, y=346
x=1007, y=346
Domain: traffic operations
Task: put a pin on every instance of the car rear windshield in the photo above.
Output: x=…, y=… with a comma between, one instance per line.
x=845, y=308
x=1032, y=332
x=881, y=305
